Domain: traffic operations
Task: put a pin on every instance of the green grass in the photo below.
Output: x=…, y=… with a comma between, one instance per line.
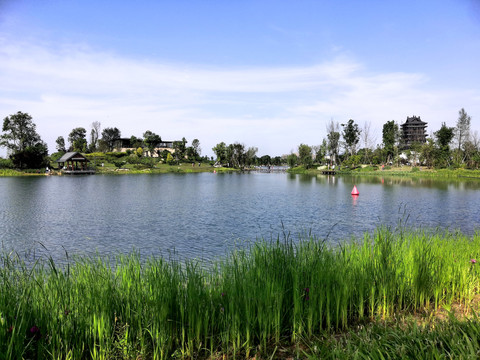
x=11, y=172
x=417, y=172
x=283, y=294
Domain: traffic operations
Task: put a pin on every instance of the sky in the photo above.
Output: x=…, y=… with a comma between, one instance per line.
x=266, y=73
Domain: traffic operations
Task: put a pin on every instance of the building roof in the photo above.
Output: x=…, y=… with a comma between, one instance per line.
x=72, y=156
x=414, y=120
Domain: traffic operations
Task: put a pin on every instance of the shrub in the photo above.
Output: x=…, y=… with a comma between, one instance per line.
x=116, y=154
x=6, y=164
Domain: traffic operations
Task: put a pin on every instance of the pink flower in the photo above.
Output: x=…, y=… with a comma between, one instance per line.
x=473, y=261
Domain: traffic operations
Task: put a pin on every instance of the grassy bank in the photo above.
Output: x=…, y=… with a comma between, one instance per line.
x=161, y=169
x=283, y=297
x=11, y=172
x=112, y=170
x=407, y=171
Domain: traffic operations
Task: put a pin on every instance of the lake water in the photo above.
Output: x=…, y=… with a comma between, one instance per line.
x=205, y=215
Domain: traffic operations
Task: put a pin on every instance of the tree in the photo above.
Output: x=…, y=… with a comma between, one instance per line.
x=94, y=134
x=238, y=155
x=169, y=159
x=77, y=139
x=462, y=136
x=333, y=136
x=151, y=141
x=390, y=139
x=196, y=147
x=351, y=135
x=305, y=155
x=427, y=153
x=367, y=142
x=292, y=160
x=193, y=152
x=462, y=130
x=27, y=150
x=265, y=160
x=110, y=137
x=220, y=151
x=321, y=151
x=135, y=142
x=61, y=144
x=180, y=148
x=251, y=155
x=444, y=136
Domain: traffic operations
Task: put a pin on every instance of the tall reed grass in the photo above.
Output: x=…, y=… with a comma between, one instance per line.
x=277, y=292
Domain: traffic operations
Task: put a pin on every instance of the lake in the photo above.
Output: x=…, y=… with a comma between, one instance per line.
x=205, y=215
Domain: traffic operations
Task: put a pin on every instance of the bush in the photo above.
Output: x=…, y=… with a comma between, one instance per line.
x=116, y=154
x=6, y=164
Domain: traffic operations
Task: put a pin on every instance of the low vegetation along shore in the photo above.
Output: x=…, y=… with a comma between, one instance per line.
x=409, y=171
x=393, y=294
x=405, y=171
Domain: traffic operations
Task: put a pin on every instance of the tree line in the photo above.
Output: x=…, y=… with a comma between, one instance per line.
x=448, y=147
x=345, y=144
x=28, y=151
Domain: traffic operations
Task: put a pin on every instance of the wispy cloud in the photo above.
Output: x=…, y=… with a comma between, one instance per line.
x=273, y=108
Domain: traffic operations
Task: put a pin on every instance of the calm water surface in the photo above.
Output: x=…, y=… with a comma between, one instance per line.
x=204, y=215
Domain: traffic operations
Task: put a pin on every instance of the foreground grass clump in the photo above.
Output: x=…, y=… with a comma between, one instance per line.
x=280, y=294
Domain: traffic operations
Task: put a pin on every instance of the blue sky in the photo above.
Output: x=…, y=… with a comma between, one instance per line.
x=269, y=74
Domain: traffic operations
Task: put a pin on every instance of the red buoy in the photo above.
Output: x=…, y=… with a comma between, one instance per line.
x=355, y=191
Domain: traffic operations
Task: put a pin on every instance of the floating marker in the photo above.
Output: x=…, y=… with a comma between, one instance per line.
x=355, y=191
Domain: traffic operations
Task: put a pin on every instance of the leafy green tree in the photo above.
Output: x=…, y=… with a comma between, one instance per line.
x=265, y=160
x=238, y=156
x=61, y=144
x=352, y=161
x=292, y=160
x=196, y=147
x=135, y=142
x=151, y=141
x=390, y=139
x=220, y=151
x=110, y=136
x=305, y=155
x=77, y=139
x=321, y=151
x=277, y=161
x=251, y=156
x=27, y=150
x=443, y=137
x=180, y=149
x=351, y=135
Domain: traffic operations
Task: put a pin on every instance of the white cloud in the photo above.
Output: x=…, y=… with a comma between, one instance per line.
x=274, y=108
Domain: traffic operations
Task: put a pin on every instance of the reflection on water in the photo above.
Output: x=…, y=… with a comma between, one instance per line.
x=205, y=215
